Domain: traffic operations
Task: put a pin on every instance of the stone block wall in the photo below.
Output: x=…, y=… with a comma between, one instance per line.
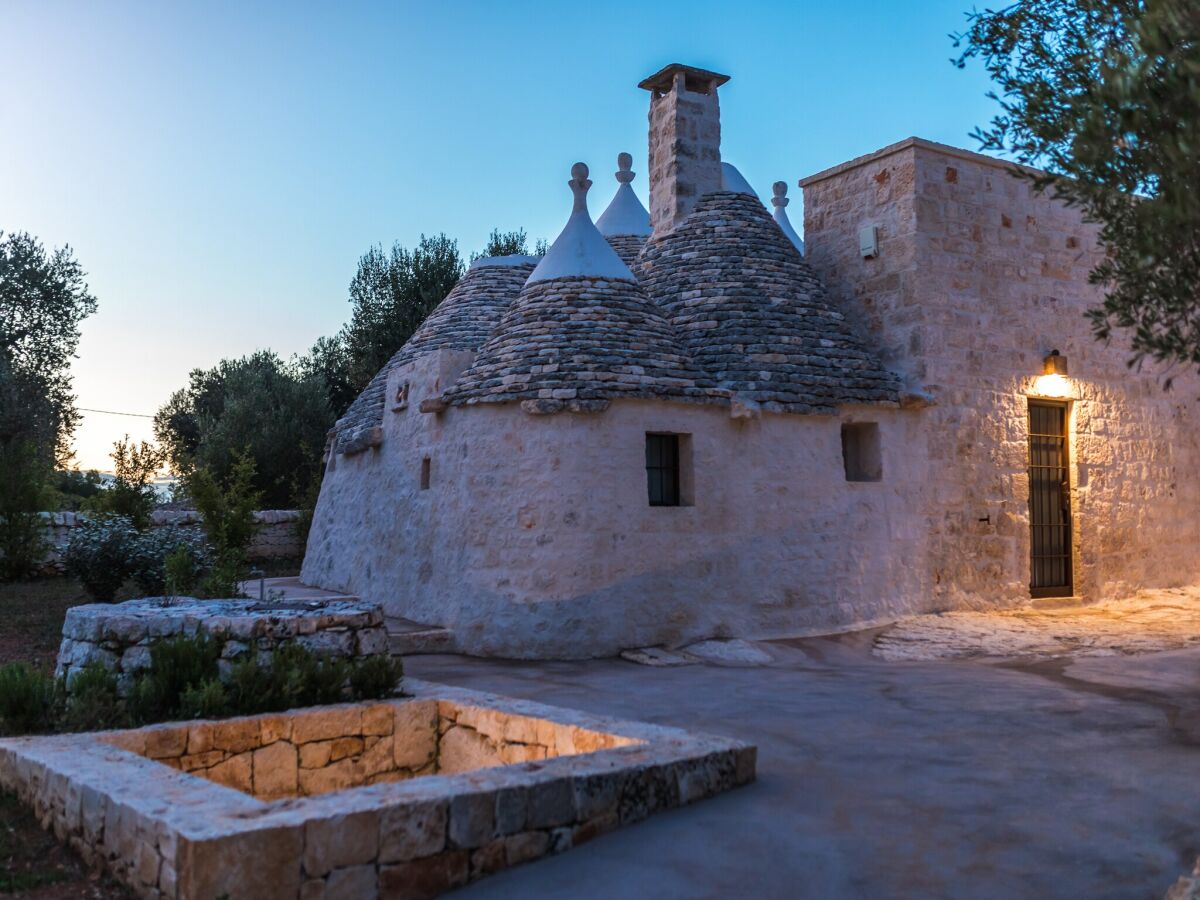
x=310, y=752
x=118, y=635
x=685, y=152
x=977, y=279
x=275, y=536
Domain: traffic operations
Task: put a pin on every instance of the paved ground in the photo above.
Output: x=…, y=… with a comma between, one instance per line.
x=1149, y=621
x=1059, y=778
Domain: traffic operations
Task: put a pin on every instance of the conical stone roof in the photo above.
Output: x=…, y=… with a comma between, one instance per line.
x=462, y=321
x=581, y=335
x=625, y=224
x=754, y=316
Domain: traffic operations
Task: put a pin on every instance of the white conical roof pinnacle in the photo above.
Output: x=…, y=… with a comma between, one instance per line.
x=580, y=250
x=780, y=202
x=625, y=213
x=733, y=180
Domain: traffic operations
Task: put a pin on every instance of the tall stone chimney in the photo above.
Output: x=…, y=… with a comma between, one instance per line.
x=685, y=141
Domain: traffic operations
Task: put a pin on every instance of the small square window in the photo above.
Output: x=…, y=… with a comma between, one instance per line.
x=860, y=451
x=662, y=469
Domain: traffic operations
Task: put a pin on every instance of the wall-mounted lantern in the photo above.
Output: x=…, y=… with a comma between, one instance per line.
x=1053, y=381
x=1055, y=364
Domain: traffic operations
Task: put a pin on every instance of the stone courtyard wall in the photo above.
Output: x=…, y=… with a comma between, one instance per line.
x=275, y=535
x=976, y=281
x=305, y=753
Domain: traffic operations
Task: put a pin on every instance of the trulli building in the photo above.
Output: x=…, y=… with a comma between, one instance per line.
x=686, y=422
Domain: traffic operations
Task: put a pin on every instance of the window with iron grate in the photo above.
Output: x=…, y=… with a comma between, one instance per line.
x=662, y=469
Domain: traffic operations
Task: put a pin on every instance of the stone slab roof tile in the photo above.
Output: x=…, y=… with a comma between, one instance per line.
x=582, y=338
x=628, y=246
x=754, y=315
x=462, y=321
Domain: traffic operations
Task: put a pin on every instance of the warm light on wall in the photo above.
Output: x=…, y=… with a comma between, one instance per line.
x=1052, y=385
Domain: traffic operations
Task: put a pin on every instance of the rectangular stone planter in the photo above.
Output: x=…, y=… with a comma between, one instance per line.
x=401, y=798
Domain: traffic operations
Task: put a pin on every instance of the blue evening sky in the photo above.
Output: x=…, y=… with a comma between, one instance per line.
x=219, y=167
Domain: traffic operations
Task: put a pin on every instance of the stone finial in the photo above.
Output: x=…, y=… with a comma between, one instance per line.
x=624, y=165
x=579, y=185
x=780, y=202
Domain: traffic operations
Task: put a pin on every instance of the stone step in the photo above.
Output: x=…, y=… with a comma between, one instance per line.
x=409, y=638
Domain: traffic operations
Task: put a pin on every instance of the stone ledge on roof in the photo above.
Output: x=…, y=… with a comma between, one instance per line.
x=514, y=259
x=921, y=144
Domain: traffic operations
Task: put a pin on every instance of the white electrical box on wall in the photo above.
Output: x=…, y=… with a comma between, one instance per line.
x=868, y=241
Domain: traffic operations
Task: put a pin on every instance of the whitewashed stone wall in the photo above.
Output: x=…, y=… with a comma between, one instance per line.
x=275, y=536
x=535, y=536
x=976, y=280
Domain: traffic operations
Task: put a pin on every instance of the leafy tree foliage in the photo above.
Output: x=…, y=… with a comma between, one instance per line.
x=71, y=487
x=329, y=363
x=274, y=411
x=510, y=243
x=391, y=294
x=1104, y=95
x=43, y=300
x=131, y=493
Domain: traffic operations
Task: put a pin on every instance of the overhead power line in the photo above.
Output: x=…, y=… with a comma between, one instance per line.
x=109, y=412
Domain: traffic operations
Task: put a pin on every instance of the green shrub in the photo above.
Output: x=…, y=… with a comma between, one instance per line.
x=183, y=681
x=177, y=664
x=180, y=572
x=29, y=700
x=296, y=677
x=101, y=555
x=206, y=700
x=131, y=493
x=375, y=677
x=226, y=508
x=185, y=547
x=92, y=702
x=222, y=579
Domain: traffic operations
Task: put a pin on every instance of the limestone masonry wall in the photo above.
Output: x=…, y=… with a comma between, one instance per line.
x=977, y=279
x=275, y=535
x=304, y=753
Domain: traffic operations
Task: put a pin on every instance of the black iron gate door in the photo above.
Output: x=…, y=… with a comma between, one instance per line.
x=1049, y=500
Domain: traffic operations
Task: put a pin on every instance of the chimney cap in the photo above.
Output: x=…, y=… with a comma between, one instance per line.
x=698, y=81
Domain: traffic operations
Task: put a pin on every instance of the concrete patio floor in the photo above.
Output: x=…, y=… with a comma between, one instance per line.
x=1054, y=778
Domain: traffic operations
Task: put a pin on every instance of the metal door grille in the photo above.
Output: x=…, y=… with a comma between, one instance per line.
x=1049, y=501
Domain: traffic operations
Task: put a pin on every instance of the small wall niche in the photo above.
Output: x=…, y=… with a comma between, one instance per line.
x=861, y=453
x=426, y=472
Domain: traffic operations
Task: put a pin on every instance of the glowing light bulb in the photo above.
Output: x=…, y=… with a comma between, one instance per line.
x=1052, y=385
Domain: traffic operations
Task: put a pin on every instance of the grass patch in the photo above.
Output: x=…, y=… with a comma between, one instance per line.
x=33, y=863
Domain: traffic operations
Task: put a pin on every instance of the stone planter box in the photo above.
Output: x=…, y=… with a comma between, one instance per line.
x=404, y=798
x=118, y=635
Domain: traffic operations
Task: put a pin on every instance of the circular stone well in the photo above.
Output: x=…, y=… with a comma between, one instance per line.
x=119, y=635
